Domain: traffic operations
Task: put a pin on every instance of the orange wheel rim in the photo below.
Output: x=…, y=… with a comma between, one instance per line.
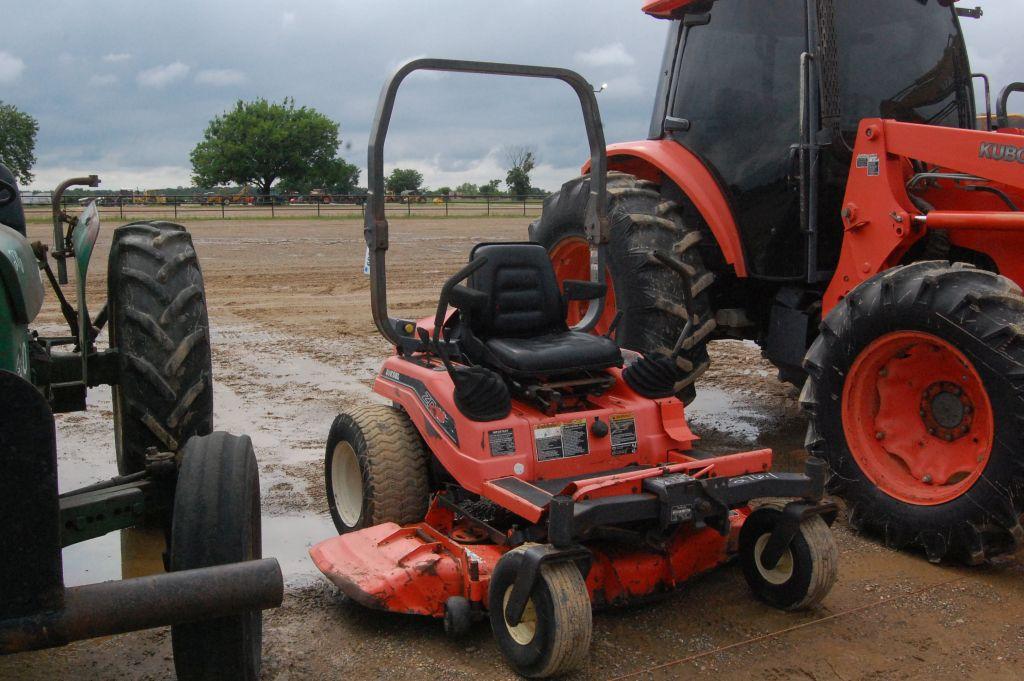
x=917, y=418
x=571, y=260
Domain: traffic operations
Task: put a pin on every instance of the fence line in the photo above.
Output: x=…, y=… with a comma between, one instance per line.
x=221, y=206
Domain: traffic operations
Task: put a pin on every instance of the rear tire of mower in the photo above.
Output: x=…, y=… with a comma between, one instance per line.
x=649, y=294
x=553, y=636
x=974, y=311
x=217, y=521
x=159, y=325
x=376, y=452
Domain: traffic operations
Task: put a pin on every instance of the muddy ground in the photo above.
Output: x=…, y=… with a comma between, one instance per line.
x=294, y=344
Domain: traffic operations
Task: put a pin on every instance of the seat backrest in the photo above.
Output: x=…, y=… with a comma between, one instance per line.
x=524, y=296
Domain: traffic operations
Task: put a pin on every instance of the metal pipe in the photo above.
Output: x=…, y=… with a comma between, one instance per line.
x=375, y=226
x=160, y=600
x=59, y=251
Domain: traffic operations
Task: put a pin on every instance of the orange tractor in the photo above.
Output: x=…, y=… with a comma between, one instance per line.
x=816, y=167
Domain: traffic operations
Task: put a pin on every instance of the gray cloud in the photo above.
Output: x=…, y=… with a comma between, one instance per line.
x=161, y=76
x=334, y=57
x=11, y=67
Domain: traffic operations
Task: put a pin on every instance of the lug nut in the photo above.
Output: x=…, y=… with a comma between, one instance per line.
x=879, y=435
x=927, y=479
x=883, y=372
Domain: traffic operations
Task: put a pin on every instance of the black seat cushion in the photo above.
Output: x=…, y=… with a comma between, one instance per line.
x=555, y=353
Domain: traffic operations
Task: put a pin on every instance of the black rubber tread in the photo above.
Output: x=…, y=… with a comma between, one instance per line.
x=979, y=313
x=815, y=556
x=393, y=460
x=564, y=618
x=217, y=521
x=158, y=323
x=649, y=294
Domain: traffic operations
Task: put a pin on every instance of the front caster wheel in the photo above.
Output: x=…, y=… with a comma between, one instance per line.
x=553, y=635
x=807, y=569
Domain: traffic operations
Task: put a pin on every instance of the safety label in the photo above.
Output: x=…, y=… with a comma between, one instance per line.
x=871, y=162
x=623, y=434
x=502, y=441
x=561, y=440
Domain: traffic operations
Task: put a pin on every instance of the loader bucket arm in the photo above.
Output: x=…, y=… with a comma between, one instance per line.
x=399, y=332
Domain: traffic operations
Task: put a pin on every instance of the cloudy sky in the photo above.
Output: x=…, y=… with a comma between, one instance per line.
x=125, y=88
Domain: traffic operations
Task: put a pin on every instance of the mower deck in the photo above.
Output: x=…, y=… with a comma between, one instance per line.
x=415, y=569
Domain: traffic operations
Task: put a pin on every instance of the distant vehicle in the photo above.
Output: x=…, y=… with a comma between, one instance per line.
x=413, y=196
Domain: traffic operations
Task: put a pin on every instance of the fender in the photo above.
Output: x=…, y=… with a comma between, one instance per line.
x=650, y=159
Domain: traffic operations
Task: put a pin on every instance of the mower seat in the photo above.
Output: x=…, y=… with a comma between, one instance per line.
x=522, y=331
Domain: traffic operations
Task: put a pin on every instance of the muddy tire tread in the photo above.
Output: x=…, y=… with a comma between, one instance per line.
x=159, y=325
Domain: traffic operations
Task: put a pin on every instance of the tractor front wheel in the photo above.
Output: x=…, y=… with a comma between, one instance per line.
x=915, y=400
x=375, y=469
x=159, y=326
x=648, y=293
x=217, y=521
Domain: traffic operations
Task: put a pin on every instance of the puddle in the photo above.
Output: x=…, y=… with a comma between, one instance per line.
x=729, y=423
x=138, y=552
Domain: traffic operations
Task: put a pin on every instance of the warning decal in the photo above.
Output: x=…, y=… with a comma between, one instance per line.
x=623, y=434
x=502, y=441
x=870, y=162
x=561, y=441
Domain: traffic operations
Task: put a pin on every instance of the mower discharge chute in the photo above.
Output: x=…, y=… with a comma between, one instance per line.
x=532, y=471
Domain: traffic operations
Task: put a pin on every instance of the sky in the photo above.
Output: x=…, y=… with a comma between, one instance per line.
x=125, y=88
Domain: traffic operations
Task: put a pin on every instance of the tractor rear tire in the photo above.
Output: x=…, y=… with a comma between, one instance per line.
x=915, y=395
x=649, y=294
x=376, y=469
x=217, y=521
x=159, y=326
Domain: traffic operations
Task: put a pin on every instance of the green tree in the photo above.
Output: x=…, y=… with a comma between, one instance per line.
x=404, y=179
x=18, y=142
x=337, y=176
x=261, y=142
x=467, y=189
x=521, y=163
x=444, y=191
x=490, y=188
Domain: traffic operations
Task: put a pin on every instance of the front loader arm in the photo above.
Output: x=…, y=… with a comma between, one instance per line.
x=882, y=221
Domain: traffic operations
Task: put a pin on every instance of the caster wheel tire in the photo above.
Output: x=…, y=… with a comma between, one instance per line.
x=375, y=469
x=458, y=616
x=553, y=636
x=807, y=569
x=217, y=521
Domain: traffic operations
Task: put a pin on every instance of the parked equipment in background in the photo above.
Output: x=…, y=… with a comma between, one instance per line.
x=830, y=196
x=200, y=487
x=525, y=472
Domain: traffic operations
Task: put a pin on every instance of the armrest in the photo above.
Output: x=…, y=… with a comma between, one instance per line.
x=583, y=290
x=468, y=299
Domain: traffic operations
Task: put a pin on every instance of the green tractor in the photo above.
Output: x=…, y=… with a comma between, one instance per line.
x=200, y=487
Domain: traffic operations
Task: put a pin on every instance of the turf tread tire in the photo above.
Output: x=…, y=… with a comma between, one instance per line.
x=159, y=325
x=649, y=294
x=566, y=603
x=393, y=462
x=816, y=546
x=977, y=311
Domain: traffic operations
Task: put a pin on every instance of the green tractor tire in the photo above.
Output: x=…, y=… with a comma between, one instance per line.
x=159, y=325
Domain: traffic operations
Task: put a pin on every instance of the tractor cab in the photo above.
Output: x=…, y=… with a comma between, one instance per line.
x=770, y=96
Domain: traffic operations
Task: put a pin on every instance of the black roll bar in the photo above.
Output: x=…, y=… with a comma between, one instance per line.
x=375, y=228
